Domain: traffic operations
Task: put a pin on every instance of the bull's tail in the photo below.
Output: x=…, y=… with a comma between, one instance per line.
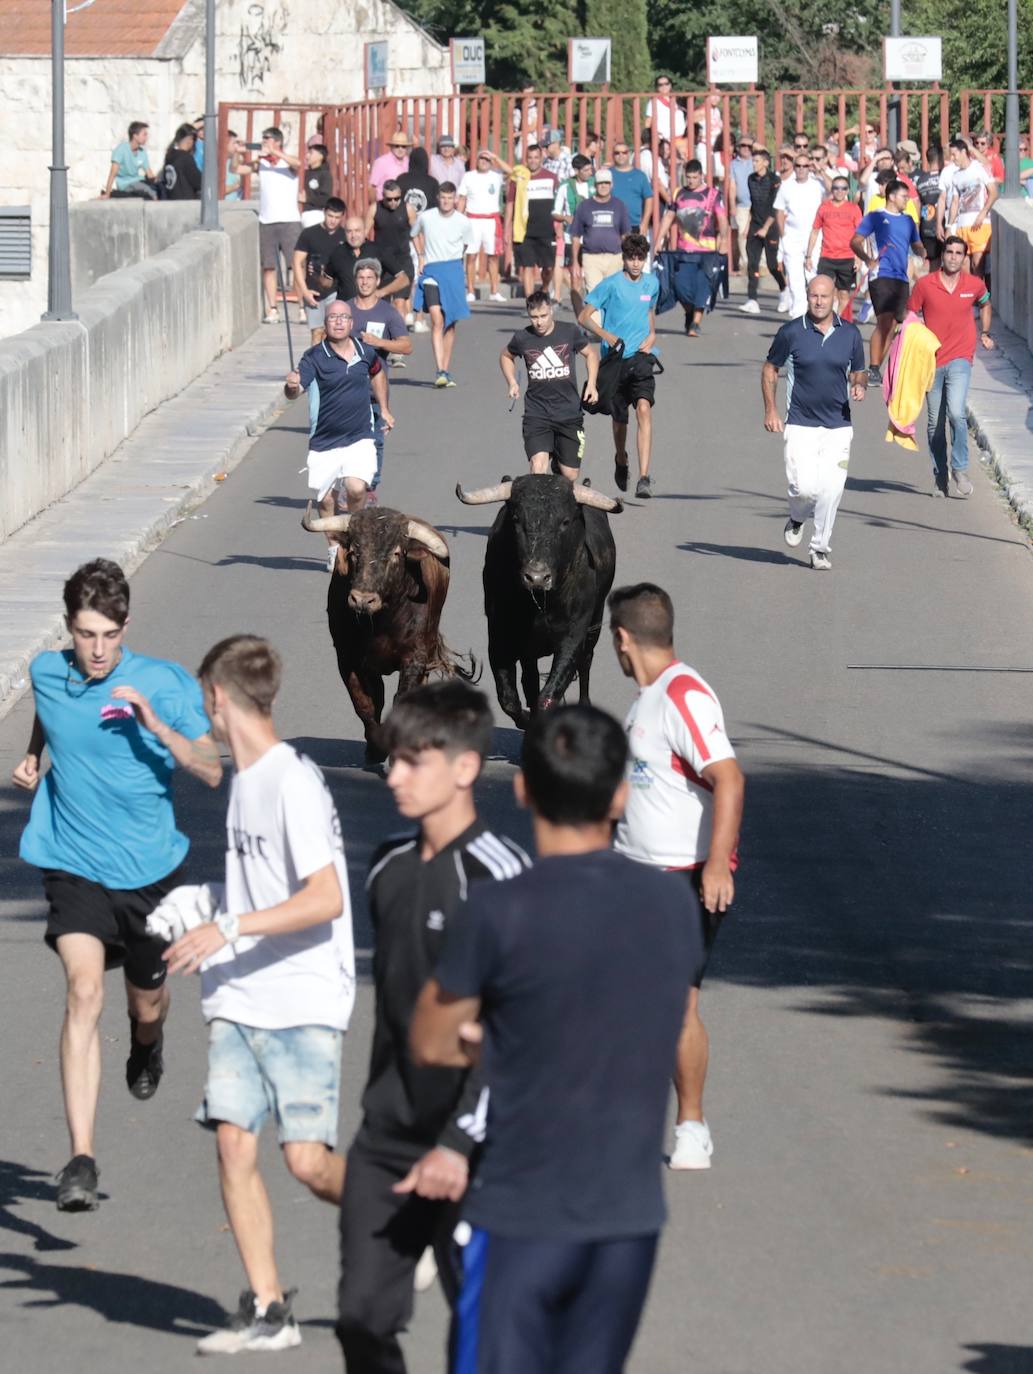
x=445, y=662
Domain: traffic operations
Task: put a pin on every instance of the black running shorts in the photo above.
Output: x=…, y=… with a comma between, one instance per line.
x=889, y=296
x=709, y=921
x=431, y=294
x=843, y=272
x=535, y=253
x=566, y=442
x=637, y=383
x=115, y=916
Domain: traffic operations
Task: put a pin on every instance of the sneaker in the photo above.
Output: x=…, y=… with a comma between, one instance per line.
x=410, y=319
x=692, y=1146
x=793, y=532
x=231, y=1338
x=450, y=380
x=302, y=317
x=863, y=313
x=620, y=475
x=962, y=486
x=750, y=307
x=470, y=297
x=783, y=303
x=421, y=327
x=441, y=380
x=820, y=562
x=644, y=488
x=276, y=1328
x=395, y=360
x=939, y=486
x=874, y=376
x=77, y=1185
x=271, y=317
x=496, y=296
x=145, y=1065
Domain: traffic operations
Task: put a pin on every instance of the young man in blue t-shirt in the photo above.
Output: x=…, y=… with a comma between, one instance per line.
x=103, y=833
x=621, y=309
x=895, y=234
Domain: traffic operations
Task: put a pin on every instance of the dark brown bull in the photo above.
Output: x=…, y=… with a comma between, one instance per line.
x=384, y=607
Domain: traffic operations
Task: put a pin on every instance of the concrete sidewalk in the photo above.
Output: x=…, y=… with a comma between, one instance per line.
x=152, y=481
x=1000, y=410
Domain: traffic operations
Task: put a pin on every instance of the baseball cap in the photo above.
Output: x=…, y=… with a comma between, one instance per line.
x=552, y=136
x=446, y=141
x=603, y=174
x=909, y=146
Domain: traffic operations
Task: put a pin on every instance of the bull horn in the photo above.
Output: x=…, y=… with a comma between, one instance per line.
x=429, y=536
x=325, y=524
x=484, y=496
x=585, y=496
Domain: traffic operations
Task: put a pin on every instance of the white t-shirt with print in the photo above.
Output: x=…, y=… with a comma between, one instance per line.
x=445, y=237
x=675, y=729
x=277, y=192
x=971, y=185
x=800, y=200
x=482, y=191
x=281, y=827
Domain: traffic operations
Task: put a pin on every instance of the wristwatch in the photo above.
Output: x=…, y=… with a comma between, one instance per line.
x=228, y=927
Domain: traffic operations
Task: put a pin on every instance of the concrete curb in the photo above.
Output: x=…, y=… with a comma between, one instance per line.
x=1000, y=415
x=156, y=478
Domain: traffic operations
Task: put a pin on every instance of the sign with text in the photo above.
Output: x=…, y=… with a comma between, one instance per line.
x=467, y=61
x=376, y=65
x=588, y=60
x=732, y=61
x=913, y=59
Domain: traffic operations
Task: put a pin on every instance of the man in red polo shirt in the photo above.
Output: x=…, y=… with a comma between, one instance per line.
x=947, y=300
x=836, y=221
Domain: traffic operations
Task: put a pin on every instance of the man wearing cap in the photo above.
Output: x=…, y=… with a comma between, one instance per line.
x=480, y=199
x=557, y=158
x=446, y=164
x=389, y=166
x=740, y=168
x=599, y=224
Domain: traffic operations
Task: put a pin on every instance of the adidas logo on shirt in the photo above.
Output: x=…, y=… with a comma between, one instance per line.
x=547, y=366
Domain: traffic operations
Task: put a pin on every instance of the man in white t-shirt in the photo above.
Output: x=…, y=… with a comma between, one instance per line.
x=684, y=809
x=970, y=194
x=442, y=238
x=796, y=205
x=277, y=979
x=480, y=200
x=279, y=214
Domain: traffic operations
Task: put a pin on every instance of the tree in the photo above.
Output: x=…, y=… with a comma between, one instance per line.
x=624, y=22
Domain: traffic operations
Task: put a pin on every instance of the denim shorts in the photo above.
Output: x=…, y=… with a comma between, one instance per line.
x=294, y=1073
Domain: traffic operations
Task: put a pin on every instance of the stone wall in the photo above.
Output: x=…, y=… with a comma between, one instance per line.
x=1013, y=266
x=70, y=393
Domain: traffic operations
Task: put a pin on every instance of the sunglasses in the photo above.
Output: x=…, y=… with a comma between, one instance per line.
x=399, y=147
x=392, y=200
x=801, y=164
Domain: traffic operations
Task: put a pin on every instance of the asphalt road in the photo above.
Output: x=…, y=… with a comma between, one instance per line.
x=871, y=1088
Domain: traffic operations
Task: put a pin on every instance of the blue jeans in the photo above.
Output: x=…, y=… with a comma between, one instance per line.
x=947, y=397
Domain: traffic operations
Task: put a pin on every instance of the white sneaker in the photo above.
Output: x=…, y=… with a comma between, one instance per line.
x=820, y=562
x=426, y=1271
x=470, y=297
x=750, y=308
x=409, y=319
x=271, y=317
x=302, y=317
x=692, y=1146
x=793, y=532
x=783, y=303
x=421, y=327
x=496, y=296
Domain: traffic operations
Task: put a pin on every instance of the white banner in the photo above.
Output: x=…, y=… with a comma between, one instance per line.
x=467, y=61
x=588, y=60
x=913, y=59
x=376, y=65
x=732, y=61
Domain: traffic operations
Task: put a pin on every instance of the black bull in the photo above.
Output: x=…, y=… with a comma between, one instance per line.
x=548, y=568
x=384, y=608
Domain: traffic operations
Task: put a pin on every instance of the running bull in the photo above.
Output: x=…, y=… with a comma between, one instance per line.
x=548, y=568
x=384, y=608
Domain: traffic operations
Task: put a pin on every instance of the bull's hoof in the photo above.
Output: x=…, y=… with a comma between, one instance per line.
x=373, y=757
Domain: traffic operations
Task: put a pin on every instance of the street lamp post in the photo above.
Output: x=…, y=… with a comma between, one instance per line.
x=59, y=273
x=210, y=172
x=893, y=132
x=1012, y=184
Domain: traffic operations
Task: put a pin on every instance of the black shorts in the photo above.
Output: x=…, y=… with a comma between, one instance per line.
x=889, y=296
x=431, y=295
x=535, y=253
x=709, y=921
x=843, y=272
x=566, y=442
x=637, y=383
x=933, y=247
x=115, y=916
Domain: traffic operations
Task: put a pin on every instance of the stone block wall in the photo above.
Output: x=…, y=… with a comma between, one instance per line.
x=1012, y=250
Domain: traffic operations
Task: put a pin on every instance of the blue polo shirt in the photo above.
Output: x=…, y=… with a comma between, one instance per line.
x=634, y=188
x=893, y=234
x=340, y=401
x=817, y=370
x=104, y=809
x=624, y=306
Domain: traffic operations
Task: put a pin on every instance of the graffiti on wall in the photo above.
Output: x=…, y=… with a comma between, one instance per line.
x=260, y=35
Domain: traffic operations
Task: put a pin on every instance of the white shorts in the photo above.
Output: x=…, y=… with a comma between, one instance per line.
x=328, y=467
x=482, y=236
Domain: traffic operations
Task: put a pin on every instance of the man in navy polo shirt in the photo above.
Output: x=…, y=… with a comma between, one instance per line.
x=820, y=352
x=343, y=377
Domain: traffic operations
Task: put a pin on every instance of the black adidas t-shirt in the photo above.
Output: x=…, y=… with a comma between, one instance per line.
x=552, y=389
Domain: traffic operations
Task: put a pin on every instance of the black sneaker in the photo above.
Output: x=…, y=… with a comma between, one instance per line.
x=229, y=1340
x=620, y=475
x=145, y=1065
x=77, y=1185
x=276, y=1328
x=875, y=376
x=644, y=489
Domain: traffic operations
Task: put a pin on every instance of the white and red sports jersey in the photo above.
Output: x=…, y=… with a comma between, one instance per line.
x=675, y=729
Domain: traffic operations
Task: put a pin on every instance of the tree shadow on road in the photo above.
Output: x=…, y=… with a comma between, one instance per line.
x=279, y=563
x=999, y=1359
x=19, y=1183
x=126, y=1299
x=746, y=554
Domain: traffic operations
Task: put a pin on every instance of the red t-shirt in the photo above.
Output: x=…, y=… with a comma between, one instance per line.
x=950, y=314
x=838, y=224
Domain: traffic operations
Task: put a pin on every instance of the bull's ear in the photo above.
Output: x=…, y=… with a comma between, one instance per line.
x=416, y=551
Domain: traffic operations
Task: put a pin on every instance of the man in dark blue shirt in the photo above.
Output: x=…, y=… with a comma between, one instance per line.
x=343, y=377
x=824, y=361
x=579, y=970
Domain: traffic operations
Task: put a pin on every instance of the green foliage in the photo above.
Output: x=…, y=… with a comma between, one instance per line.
x=975, y=41
x=625, y=23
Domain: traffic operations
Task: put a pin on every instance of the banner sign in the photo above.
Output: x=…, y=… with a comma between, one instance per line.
x=732, y=61
x=913, y=59
x=467, y=61
x=376, y=65
x=588, y=60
